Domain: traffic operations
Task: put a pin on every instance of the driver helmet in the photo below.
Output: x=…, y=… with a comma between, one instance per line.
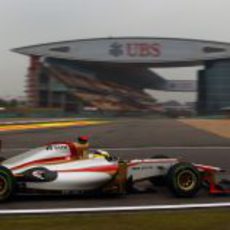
x=83, y=140
x=98, y=153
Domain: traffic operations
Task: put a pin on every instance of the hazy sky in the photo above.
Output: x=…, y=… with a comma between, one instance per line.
x=25, y=22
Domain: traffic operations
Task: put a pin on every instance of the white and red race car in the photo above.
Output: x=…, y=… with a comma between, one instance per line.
x=57, y=167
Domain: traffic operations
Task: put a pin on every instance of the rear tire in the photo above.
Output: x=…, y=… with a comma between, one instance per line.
x=184, y=180
x=7, y=184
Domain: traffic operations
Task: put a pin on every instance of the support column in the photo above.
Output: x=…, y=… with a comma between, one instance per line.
x=32, y=90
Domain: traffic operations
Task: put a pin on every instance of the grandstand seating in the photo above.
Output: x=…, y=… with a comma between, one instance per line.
x=104, y=95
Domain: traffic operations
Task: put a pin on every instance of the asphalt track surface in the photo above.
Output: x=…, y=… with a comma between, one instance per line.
x=127, y=138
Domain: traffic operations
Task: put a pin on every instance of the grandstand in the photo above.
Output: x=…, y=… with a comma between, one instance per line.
x=64, y=84
x=110, y=74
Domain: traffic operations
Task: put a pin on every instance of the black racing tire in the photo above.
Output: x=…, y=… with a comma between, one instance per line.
x=184, y=180
x=7, y=184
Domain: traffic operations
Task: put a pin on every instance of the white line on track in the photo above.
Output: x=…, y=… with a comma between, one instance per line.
x=145, y=148
x=169, y=147
x=114, y=209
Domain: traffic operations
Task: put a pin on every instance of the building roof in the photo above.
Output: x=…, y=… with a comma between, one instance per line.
x=133, y=50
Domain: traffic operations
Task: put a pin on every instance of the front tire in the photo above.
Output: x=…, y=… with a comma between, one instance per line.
x=7, y=184
x=184, y=180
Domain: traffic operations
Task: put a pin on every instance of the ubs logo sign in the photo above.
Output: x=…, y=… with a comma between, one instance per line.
x=116, y=49
x=135, y=49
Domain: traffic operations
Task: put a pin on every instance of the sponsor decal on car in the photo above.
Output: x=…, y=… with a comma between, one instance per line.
x=57, y=147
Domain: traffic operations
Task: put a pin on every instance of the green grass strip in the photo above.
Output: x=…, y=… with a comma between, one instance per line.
x=178, y=220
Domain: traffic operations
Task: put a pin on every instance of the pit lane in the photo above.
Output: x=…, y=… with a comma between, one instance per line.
x=127, y=139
